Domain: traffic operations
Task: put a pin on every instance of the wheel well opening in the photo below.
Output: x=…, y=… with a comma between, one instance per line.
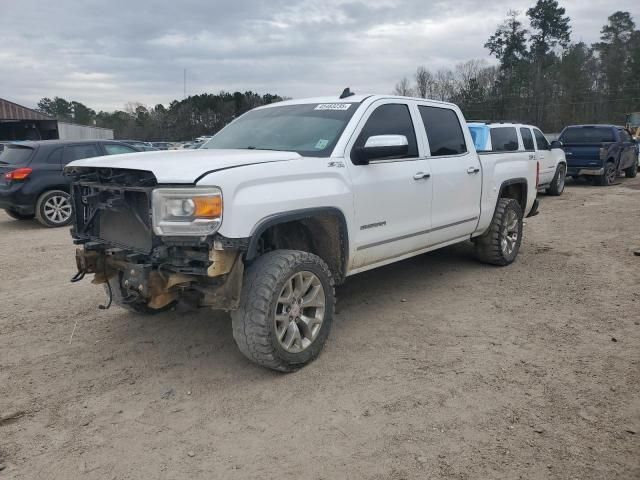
x=63, y=188
x=323, y=235
x=517, y=191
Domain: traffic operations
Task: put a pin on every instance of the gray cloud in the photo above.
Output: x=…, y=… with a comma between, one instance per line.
x=108, y=52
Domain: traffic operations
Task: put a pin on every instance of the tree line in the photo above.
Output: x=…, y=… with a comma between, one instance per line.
x=542, y=77
x=182, y=120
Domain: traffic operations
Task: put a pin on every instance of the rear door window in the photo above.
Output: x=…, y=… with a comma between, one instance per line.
x=16, y=155
x=504, y=139
x=527, y=139
x=77, y=152
x=115, y=149
x=541, y=140
x=444, y=131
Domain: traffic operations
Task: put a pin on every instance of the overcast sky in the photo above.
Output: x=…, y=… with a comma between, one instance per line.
x=105, y=53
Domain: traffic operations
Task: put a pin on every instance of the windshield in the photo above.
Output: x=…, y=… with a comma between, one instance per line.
x=15, y=155
x=587, y=135
x=309, y=129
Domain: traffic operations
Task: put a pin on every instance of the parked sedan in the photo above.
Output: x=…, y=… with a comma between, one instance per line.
x=140, y=145
x=162, y=145
x=32, y=183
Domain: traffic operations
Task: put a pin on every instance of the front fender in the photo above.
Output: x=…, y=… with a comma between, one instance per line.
x=254, y=193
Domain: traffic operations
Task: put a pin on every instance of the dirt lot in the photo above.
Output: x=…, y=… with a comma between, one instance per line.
x=437, y=367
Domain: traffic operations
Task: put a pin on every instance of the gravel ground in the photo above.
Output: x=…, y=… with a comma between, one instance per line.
x=437, y=367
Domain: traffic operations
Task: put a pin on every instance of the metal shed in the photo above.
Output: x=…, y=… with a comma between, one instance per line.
x=22, y=123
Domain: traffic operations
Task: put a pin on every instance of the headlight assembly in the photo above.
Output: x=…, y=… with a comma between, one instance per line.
x=193, y=212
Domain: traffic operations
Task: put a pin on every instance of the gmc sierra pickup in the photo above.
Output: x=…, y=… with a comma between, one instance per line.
x=286, y=202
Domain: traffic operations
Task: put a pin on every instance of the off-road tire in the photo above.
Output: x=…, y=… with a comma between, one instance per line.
x=19, y=216
x=119, y=297
x=557, y=184
x=488, y=246
x=41, y=215
x=632, y=171
x=254, y=327
x=608, y=177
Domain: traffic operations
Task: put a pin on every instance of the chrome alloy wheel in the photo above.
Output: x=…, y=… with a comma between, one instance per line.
x=562, y=175
x=510, y=233
x=299, y=311
x=57, y=209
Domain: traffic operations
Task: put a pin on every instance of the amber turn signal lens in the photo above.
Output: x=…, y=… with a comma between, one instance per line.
x=208, y=207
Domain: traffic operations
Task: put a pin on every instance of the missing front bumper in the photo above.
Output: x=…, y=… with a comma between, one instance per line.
x=148, y=283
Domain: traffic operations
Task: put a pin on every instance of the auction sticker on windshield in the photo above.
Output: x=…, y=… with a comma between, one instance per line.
x=333, y=106
x=322, y=143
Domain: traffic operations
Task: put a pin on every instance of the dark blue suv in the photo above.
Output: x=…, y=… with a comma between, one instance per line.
x=599, y=152
x=32, y=183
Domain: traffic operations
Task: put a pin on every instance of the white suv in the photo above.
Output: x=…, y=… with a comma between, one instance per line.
x=512, y=137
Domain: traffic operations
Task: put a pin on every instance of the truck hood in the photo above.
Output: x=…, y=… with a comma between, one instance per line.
x=185, y=166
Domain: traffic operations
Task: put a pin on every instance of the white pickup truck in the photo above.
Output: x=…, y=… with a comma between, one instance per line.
x=286, y=202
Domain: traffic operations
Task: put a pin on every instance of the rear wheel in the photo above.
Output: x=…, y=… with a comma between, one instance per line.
x=608, y=177
x=632, y=171
x=500, y=244
x=286, y=310
x=557, y=184
x=19, y=216
x=53, y=208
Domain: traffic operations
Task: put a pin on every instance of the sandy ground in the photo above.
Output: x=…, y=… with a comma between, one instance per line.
x=437, y=367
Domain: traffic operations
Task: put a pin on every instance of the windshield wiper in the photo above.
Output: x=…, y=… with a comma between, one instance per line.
x=253, y=147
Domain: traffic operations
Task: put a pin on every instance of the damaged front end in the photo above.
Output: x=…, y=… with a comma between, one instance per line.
x=157, y=244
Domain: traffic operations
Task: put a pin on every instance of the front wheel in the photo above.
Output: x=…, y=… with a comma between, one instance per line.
x=286, y=309
x=632, y=171
x=557, y=184
x=500, y=244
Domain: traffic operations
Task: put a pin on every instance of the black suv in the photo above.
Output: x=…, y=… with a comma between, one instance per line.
x=32, y=183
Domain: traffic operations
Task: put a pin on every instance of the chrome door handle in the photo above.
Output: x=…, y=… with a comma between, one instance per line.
x=472, y=170
x=421, y=175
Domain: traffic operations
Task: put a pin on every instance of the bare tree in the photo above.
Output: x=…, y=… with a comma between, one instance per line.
x=132, y=108
x=424, y=83
x=444, y=84
x=403, y=88
x=469, y=71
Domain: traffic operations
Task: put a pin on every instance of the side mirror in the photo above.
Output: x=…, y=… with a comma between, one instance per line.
x=556, y=144
x=381, y=146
